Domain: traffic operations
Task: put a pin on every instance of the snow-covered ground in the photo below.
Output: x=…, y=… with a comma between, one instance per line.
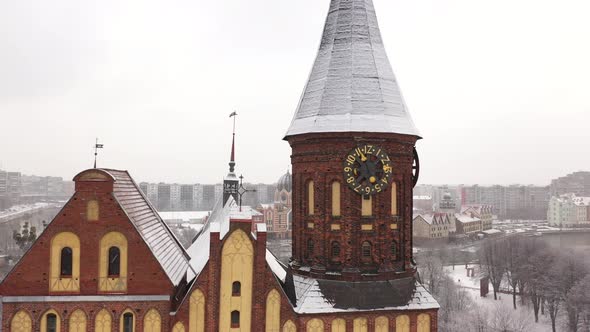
x=504, y=303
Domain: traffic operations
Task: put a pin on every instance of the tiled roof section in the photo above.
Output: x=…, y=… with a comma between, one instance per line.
x=327, y=296
x=352, y=87
x=156, y=234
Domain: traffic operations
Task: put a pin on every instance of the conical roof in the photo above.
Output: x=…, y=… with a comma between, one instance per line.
x=352, y=87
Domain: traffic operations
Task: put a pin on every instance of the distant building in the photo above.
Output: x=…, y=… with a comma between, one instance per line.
x=277, y=215
x=509, y=202
x=568, y=211
x=483, y=212
x=164, y=203
x=577, y=183
x=423, y=204
x=467, y=225
x=432, y=226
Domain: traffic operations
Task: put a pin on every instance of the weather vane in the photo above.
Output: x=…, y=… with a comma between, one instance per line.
x=232, y=159
x=96, y=147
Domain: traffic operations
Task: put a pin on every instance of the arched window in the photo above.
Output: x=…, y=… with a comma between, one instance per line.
x=273, y=311
x=309, y=252
x=393, y=199
x=77, y=321
x=21, y=322
x=315, y=325
x=335, y=249
x=402, y=323
x=235, y=319
x=289, y=326
x=178, y=327
x=423, y=323
x=197, y=312
x=128, y=322
x=51, y=323
x=236, y=288
x=338, y=325
x=335, y=199
x=66, y=262
x=152, y=321
x=367, y=206
x=360, y=325
x=114, y=262
x=310, y=198
x=64, y=272
x=366, y=249
x=103, y=321
x=381, y=324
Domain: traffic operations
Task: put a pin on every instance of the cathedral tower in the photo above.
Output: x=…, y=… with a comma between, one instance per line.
x=353, y=158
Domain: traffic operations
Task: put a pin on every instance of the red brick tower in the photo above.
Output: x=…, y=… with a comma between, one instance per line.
x=353, y=157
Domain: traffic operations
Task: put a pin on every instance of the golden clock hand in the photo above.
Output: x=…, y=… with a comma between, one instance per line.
x=362, y=155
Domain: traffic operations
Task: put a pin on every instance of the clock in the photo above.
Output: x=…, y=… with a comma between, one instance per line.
x=415, y=167
x=367, y=170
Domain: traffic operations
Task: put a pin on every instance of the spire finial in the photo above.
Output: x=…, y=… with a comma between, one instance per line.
x=232, y=159
x=96, y=147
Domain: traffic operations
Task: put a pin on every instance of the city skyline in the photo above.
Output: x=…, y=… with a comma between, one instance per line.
x=164, y=91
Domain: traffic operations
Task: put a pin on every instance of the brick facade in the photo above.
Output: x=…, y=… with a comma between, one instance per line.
x=319, y=157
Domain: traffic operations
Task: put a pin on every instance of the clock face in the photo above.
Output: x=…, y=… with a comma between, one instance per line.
x=367, y=170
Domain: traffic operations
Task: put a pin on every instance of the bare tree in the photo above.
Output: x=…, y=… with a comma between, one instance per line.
x=579, y=297
x=506, y=320
x=571, y=271
x=552, y=295
x=431, y=272
x=534, y=274
x=26, y=237
x=493, y=260
x=515, y=259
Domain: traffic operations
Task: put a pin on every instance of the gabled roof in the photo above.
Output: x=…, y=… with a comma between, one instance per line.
x=154, y=231
x=352, y=87
x=219, y=221
x=464, y=218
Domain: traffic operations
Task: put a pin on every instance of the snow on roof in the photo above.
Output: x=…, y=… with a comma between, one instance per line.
x=426, y=217
x=492, y=231
x=218, y=222
x=322, y=296
x=279, y=270
x=352, y=87
x=184, y=216
x=581, y=201
x=159, y=238
x=465, y=218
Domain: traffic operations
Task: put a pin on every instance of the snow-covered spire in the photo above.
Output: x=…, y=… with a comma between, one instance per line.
x=231, y=182
x=352, y=87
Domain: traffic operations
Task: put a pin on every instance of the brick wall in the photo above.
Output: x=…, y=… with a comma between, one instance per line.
x=320, y=157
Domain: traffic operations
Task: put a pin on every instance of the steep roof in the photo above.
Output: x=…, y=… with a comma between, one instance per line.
x=154, y=231
x=322, y=296
x=219, y=221
x=352, y=87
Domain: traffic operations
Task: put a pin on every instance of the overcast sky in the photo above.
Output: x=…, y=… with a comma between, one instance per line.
x=500, y=90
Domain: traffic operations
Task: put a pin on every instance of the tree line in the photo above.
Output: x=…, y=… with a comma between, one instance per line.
x=543, y=279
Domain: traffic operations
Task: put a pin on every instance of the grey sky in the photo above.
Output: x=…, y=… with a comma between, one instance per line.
x=499, y=89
